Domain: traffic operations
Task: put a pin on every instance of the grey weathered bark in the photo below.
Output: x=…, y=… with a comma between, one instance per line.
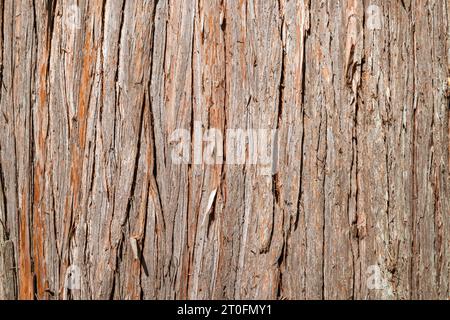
x=87, y=179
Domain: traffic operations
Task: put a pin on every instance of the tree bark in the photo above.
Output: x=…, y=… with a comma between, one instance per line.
x=357, y=91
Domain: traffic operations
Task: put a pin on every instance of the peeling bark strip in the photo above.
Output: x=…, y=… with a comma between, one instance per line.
x=93, y=207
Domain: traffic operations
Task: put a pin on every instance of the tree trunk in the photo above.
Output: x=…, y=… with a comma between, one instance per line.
x=354, y=204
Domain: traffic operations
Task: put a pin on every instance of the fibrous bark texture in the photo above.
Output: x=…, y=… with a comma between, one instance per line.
x=93, y=205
